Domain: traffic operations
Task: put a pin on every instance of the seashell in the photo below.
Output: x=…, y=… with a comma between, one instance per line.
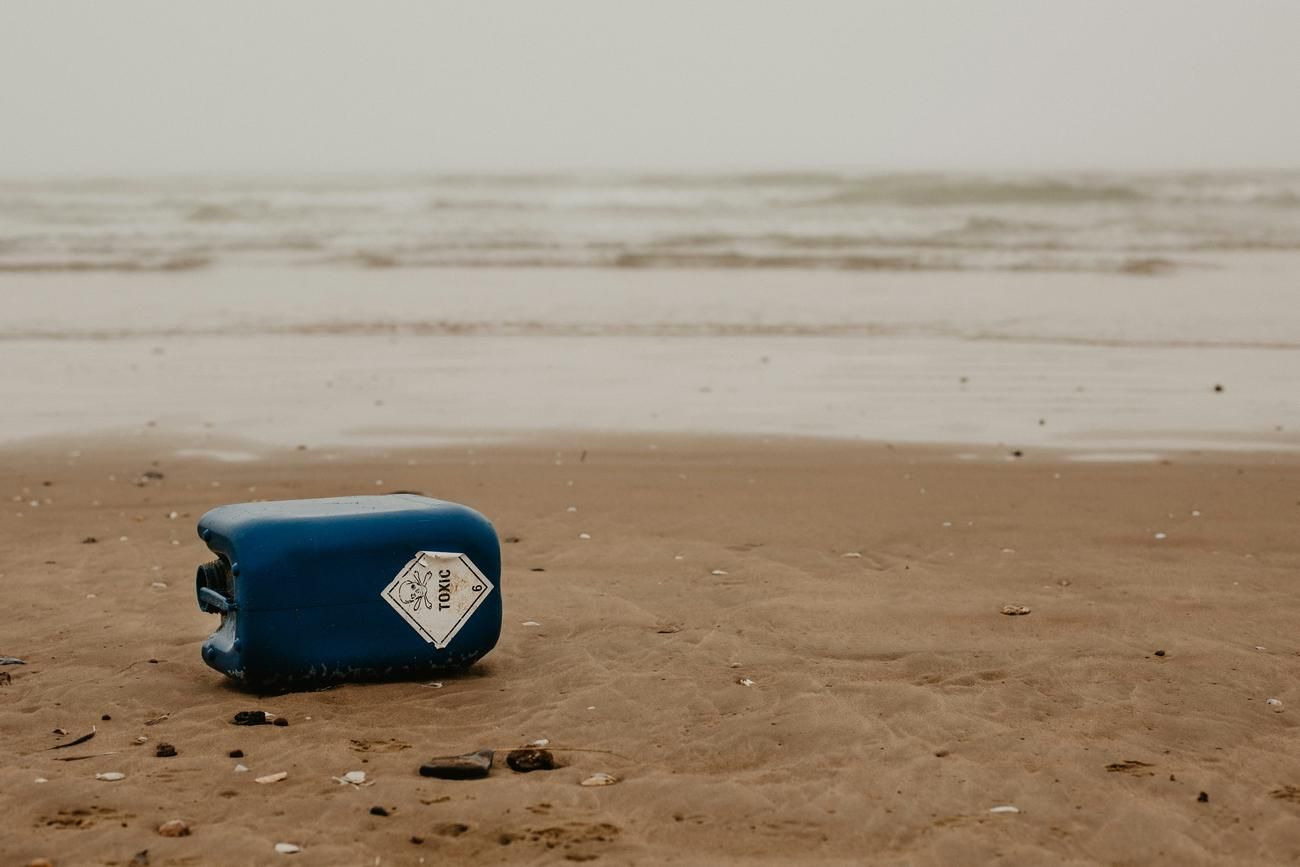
x=174, y=828
x=273, y=778
x=1015, y=610
x=1004, y=808
x=111, y=776
x=601, y=779
x=287, y=848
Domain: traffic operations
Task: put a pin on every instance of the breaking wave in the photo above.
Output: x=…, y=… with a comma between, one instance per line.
x=1137, y=224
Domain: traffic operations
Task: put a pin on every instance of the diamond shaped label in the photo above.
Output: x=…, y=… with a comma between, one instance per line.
x=436, y=593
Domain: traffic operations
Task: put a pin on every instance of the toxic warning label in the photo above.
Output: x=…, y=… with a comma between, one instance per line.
x=437, y=593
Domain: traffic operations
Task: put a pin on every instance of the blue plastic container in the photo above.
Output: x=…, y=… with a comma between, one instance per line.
x=355, y=588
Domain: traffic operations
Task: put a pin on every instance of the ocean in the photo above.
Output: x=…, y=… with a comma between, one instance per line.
x=1119, y=223
x=1121, y=314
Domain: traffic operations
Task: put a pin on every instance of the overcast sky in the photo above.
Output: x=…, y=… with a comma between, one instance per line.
x=96, y=87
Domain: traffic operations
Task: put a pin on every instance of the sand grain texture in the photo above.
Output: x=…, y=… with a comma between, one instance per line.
x=892, y=704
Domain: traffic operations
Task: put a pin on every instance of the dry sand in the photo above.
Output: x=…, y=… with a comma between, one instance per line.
x=892, y=704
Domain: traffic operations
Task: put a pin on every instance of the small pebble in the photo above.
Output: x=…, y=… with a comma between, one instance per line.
x=280, y=721
x=174, y=828
x=525, y=761
x=140, y=739
x=252, y=718
x=1203, y=797
x=584, y=535
x=601, y=779
x=356, y=778
x=852, y=554
x=40, y=780
x=745, y=681
x=1161, y=536
x=165, y=751
x=470, y=766
x=111, y=776
x=378, y=811
x=241, y=769
x=1015, y=610
x=718, y=572
x=1004, y=808
x=416, y=840
x=287, y=848
x=105, y=717
x=236, y=754
x=1275, y=703
x=1160, y=653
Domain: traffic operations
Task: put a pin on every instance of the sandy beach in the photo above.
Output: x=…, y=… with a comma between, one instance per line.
x=857, y=588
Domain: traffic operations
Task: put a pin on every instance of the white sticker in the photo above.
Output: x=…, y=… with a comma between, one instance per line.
x=437, y=593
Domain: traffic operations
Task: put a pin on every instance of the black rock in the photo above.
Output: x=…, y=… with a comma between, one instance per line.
x=471, y=766
x=524, y=761
x=1203, y=797
x=280, y=721
x=236, y=754
x=378, y=811
x=105, y=717
x=251, y=718
x=165, y=751
x=1160, y=653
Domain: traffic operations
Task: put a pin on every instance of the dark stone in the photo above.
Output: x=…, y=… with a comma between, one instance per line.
x=236, y=754
x=417, y=840
x=165, y=751
x=280, y=721
x=251, y=718
x=89, y=540
x=378, y=811
x=524, y=761
x=471, y=766
x=1203, y=798
x=105, y=717
x=1160, y=653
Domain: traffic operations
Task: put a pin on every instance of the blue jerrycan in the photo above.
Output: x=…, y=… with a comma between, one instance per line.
x=353, y=588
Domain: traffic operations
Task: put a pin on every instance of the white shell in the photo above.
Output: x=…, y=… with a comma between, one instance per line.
x=111, y=776
x=287, y=848
x=354, y=777
x=241, y=769
x=1004, y=808
x=600, y=780
x=273, y=778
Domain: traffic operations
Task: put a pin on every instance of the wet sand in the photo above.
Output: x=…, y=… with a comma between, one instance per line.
x=404, y=356
x=892, y=705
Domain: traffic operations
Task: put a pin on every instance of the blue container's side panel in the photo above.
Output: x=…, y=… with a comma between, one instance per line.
x=352, y=642
x=308, y=583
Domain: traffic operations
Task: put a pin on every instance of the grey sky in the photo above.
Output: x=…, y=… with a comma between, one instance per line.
x=93, y=87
